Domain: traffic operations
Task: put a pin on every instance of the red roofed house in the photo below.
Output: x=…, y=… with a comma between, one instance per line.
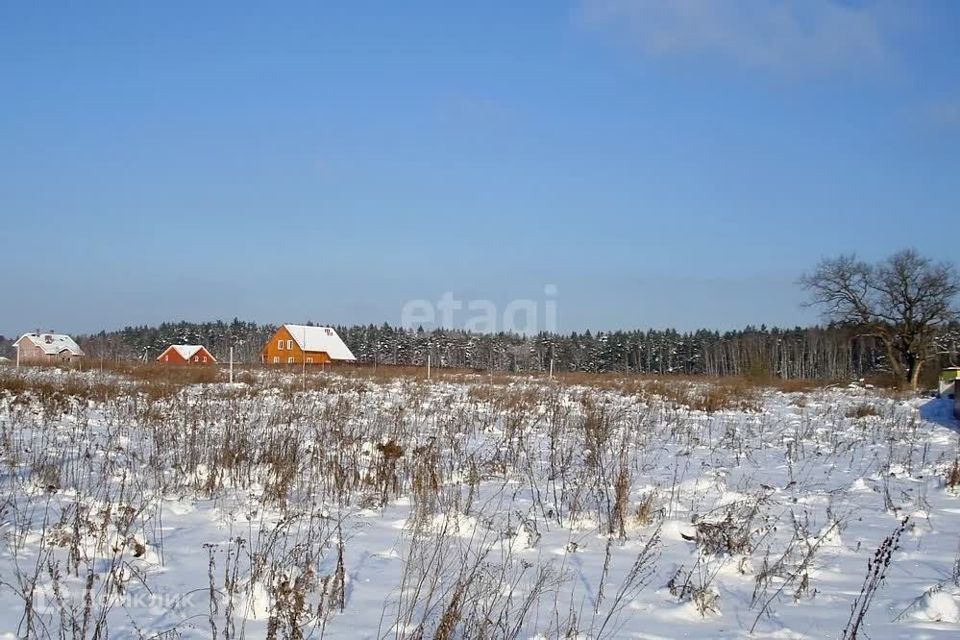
x=186, y=354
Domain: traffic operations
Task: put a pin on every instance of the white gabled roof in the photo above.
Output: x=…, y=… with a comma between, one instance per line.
x=52, y=343
x=186, y=351
x=316, y=339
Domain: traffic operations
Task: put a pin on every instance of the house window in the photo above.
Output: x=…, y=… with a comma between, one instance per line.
x=276, y=359
x=204, y=358
x=166, y=358
x=196, y=358
x=289, y=345
x=290, y=360
x=279, y=345
x=309, y=360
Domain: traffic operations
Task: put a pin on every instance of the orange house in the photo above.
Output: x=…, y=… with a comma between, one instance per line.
x=183, y=354
x=300, y=344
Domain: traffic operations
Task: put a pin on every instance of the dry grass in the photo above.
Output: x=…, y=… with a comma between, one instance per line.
x=165, y=374
x=362, y=437
x=725, y=394
x=55, y=391
x=801, y=385
x=671, y=387
x=734, y=395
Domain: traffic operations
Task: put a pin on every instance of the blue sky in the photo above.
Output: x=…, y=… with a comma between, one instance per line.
x=663, y=164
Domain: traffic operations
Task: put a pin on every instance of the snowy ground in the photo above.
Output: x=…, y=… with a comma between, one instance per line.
x=363, y=509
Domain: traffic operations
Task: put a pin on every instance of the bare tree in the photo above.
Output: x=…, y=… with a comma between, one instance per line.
x=902, y=301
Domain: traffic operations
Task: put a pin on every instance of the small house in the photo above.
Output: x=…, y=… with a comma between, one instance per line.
x=300, y=344
x=183, y=354
x=956, y=399
x=47, y=348
x=947, y=378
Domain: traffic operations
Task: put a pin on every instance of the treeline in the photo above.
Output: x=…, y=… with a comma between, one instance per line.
x=813, y=352
x=146, y=343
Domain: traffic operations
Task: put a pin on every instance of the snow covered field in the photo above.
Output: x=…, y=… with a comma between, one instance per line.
x=476, y=508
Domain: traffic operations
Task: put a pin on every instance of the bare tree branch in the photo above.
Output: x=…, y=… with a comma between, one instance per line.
x=901, y=300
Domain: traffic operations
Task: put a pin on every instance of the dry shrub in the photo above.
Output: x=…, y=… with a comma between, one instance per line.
x=801, y=385
x=728, y=536
x=426, y=481
x=452, y=614
x=598, y=426
x=953, y=474
x=385, y=474
x=14, y=385
x=157, y=372
x=175, y=375
x=731, y=533
x=695, y=586
x=646, y=508
x=391, y=372
x=618, y=519
x=484, y=393
x=607, y=381
x=56, y=395
x=676, y=393
x=245, y=377
x=289, y=606
x=862, y=410
x=732, y=395
x=390, y=450
x=280, y=454
x=884, y=380
x=47, y=477
x=706, y=394
x=676, y=388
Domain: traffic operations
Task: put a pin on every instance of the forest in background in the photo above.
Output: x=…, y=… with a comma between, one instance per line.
x=832, y=352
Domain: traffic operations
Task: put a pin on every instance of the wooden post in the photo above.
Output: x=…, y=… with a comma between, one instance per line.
x=428, y=365
x=231, y=364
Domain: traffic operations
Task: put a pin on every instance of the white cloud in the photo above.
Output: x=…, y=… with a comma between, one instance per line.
x=774, y=35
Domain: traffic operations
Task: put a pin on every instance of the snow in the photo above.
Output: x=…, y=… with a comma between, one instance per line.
x=940, y=607
x=378, y=503
x=320, y=339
